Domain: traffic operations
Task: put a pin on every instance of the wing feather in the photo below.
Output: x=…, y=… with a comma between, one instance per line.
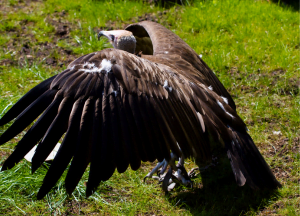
x=153, y=148
x=82, y=156
x=107, y=155
x=55, y=131
x=137, y=126
x=171, y=50
x=26, y=100
x=65, y=152
x=30, y=139
x=28, y=115
x=121, y=156
x=127, y=134
x=61, y=78
x=129, y=111
x=142, y=122
x=94, y=176
x=169, y=139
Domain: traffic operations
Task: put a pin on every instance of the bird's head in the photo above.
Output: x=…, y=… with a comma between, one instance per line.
x=120, y=39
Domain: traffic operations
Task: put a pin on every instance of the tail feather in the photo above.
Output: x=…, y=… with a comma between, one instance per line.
x=248, y=164
x=236, y=169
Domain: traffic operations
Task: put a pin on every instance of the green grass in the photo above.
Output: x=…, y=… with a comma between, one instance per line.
x=252, y=46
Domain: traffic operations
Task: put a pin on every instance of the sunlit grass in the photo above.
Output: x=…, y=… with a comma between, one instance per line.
x=252, y=46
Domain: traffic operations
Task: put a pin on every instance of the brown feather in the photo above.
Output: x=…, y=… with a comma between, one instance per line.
x=55, y=131
x=83, y=151
x=94, y=177
x=26, y=100
x=65, y=152
x=136, y=109
x=129, y=142
x=28, y=115
x=122, y=161
x=107, y=155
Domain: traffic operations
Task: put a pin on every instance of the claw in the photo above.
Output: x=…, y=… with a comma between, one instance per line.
x=182, y=175
x=155, y=169
x=158, y=173
x=147, y=176
x=164, y=166
x=169, y=180
x=171, y=186
x=166, y=180
x=155, y=177
x=192, y=173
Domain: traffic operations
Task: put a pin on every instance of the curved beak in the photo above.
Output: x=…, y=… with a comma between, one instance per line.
x=100, y=34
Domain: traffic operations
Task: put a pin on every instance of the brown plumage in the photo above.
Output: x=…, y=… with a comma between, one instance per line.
x=118, y=109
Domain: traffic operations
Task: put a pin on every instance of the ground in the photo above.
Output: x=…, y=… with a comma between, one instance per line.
x=253, y=48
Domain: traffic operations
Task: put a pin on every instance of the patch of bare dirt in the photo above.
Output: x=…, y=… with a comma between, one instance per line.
x=74, y=207
x=27, y=50
x=3, y=156
x=13, y=6
x=292, y=88
x=281, y=174
x=277, y=205
x=282, y=153
x=268, y=212
x=7, y=62
x=277, y=146
x=296, y=145
x=62, y=27
x=24, y=45
x=62, y=30
x=166, y=3
x=44, y=52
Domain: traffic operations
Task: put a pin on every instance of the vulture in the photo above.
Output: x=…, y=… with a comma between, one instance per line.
x=151, y=97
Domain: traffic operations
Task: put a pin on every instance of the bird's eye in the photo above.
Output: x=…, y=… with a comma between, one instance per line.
x=112, y=37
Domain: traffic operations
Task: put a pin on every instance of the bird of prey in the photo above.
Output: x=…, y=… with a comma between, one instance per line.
x=150, y=97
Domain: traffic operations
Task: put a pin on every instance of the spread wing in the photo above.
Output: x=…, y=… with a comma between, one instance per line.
x=114, y=110
x=168, y=48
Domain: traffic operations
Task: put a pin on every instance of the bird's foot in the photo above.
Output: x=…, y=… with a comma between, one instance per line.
x=176, y=174
x=161, y=167
x=180, y=176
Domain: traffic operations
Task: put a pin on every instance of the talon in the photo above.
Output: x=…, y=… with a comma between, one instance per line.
x=171, y=186
x=166, y=180
x=182, y=175
x=192, y=173
x=161, y=178
x=154, y=170
x=155, y=177
x=147, y=176
x=158, y=173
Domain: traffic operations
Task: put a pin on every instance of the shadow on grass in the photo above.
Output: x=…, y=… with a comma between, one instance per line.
x=294, y=4
x=169, y=3
x=217, y=194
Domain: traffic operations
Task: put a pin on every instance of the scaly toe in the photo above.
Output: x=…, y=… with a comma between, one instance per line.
x=192, y=173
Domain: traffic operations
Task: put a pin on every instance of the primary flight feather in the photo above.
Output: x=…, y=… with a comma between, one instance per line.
x=151, y=97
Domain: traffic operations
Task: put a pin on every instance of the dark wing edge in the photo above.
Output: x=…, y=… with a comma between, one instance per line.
x=116, y=110
x=171, y=50
x=167, y=44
